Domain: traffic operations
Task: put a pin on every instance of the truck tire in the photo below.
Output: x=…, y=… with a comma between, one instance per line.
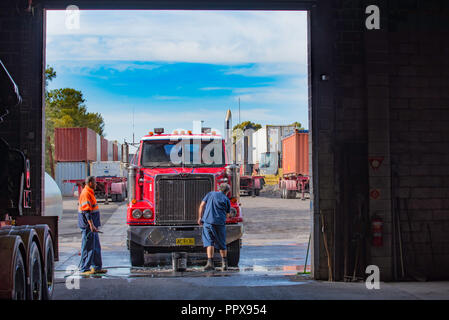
x=136, y=254
x=283, y=192
x=49, y=273
x=257, y=192
x=19, y=276
x=35, y=273
x=234, y=253
x=291, y=194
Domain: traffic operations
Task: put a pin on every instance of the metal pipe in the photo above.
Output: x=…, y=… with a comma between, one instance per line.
x=233, y=173
x=131, y=183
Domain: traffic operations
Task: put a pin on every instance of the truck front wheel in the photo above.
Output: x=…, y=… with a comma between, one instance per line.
x=234, y=253
x=136, y=254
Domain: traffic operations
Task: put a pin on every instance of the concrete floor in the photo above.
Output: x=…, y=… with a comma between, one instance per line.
x=271, y=264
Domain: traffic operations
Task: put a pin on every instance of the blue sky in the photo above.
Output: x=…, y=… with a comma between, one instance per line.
x=173, y=67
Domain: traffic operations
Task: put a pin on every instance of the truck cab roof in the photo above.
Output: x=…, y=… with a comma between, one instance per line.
x=203, y=136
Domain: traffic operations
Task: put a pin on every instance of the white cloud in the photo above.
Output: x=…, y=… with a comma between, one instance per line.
x=219, y=37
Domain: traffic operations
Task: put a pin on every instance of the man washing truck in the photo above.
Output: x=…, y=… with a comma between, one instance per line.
x=216, y=207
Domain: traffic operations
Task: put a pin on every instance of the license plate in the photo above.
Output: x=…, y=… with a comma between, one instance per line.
x=185, y=241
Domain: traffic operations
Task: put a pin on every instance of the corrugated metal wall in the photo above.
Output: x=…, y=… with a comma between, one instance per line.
x=69, y=170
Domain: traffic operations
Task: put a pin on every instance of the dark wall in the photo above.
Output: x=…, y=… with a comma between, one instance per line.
x=21, y=43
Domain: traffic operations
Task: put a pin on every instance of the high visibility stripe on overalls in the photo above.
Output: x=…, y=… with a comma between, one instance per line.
x=87, y=201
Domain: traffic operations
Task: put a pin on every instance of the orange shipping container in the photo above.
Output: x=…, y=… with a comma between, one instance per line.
x=75, y=144
x=295, y=154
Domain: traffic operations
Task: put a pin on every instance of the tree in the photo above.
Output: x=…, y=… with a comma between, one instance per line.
x=298, y=125
x=65, y=108
x=247, y=125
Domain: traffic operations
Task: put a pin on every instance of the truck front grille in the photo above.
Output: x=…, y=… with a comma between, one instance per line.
x=178, y=198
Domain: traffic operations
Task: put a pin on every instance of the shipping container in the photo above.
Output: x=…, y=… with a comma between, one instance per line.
x=104, y=149
x=114, y=152
x=119, y=152
x=69, y=171
x=108, y=169
x=295, y=158
x=98, y=147
x=75, y=144
x=110, y=151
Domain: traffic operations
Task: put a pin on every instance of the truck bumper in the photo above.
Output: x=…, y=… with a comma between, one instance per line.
x=164, y=237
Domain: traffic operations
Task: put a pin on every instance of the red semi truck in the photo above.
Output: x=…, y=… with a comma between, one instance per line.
x=170, y=176
x=28, y=242
x=295, y=165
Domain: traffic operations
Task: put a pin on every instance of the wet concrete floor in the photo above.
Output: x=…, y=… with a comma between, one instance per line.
x=271, y=263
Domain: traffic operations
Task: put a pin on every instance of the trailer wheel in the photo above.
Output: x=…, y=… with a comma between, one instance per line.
x=257, y=192
x=136, y=254
x=283, y=192
x=19, y=291
x=234, y=253
x=291, y=194
x=35, y=273
x=48, y=283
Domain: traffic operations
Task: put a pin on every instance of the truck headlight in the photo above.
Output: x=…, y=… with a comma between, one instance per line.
x=137, y=214
x=147, y=214
x=233, y=212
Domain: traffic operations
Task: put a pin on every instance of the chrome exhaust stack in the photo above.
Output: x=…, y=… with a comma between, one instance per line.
x=131, y=183
x=233, y=173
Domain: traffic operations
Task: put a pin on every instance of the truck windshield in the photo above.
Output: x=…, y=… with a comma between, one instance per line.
x=185, y=152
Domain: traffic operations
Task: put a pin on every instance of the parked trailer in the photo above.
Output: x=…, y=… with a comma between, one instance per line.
x=295, y=161
x=107, y=187
x=251, y=185
x=28, y=241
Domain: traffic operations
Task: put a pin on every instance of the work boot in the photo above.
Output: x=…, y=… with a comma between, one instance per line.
x=87, y=272
x=224, y=264
x=210, y=265
x=99, y=270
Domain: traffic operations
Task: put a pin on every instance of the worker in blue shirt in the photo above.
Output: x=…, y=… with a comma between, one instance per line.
x=216, y=207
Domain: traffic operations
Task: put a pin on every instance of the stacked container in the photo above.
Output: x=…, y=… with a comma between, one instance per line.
x=295, y=156
x=110, y=151
x=104, y=149
x=98, y=147
x=114, y=151
x=75, y=144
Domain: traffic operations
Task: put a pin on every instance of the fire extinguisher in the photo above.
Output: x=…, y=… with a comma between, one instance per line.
x=376, y=229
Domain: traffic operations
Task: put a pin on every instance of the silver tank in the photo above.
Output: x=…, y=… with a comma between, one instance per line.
x=53, y=198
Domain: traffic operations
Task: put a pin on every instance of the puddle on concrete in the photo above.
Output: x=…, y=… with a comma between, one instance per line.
x=259, y=261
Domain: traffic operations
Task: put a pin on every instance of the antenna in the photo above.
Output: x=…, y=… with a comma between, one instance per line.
x=133, y=125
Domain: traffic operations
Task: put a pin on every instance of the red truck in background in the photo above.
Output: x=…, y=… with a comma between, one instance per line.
x=167, y=180
x=295, y=165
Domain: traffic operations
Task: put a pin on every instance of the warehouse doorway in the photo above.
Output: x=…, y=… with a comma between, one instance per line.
x=313, y=80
